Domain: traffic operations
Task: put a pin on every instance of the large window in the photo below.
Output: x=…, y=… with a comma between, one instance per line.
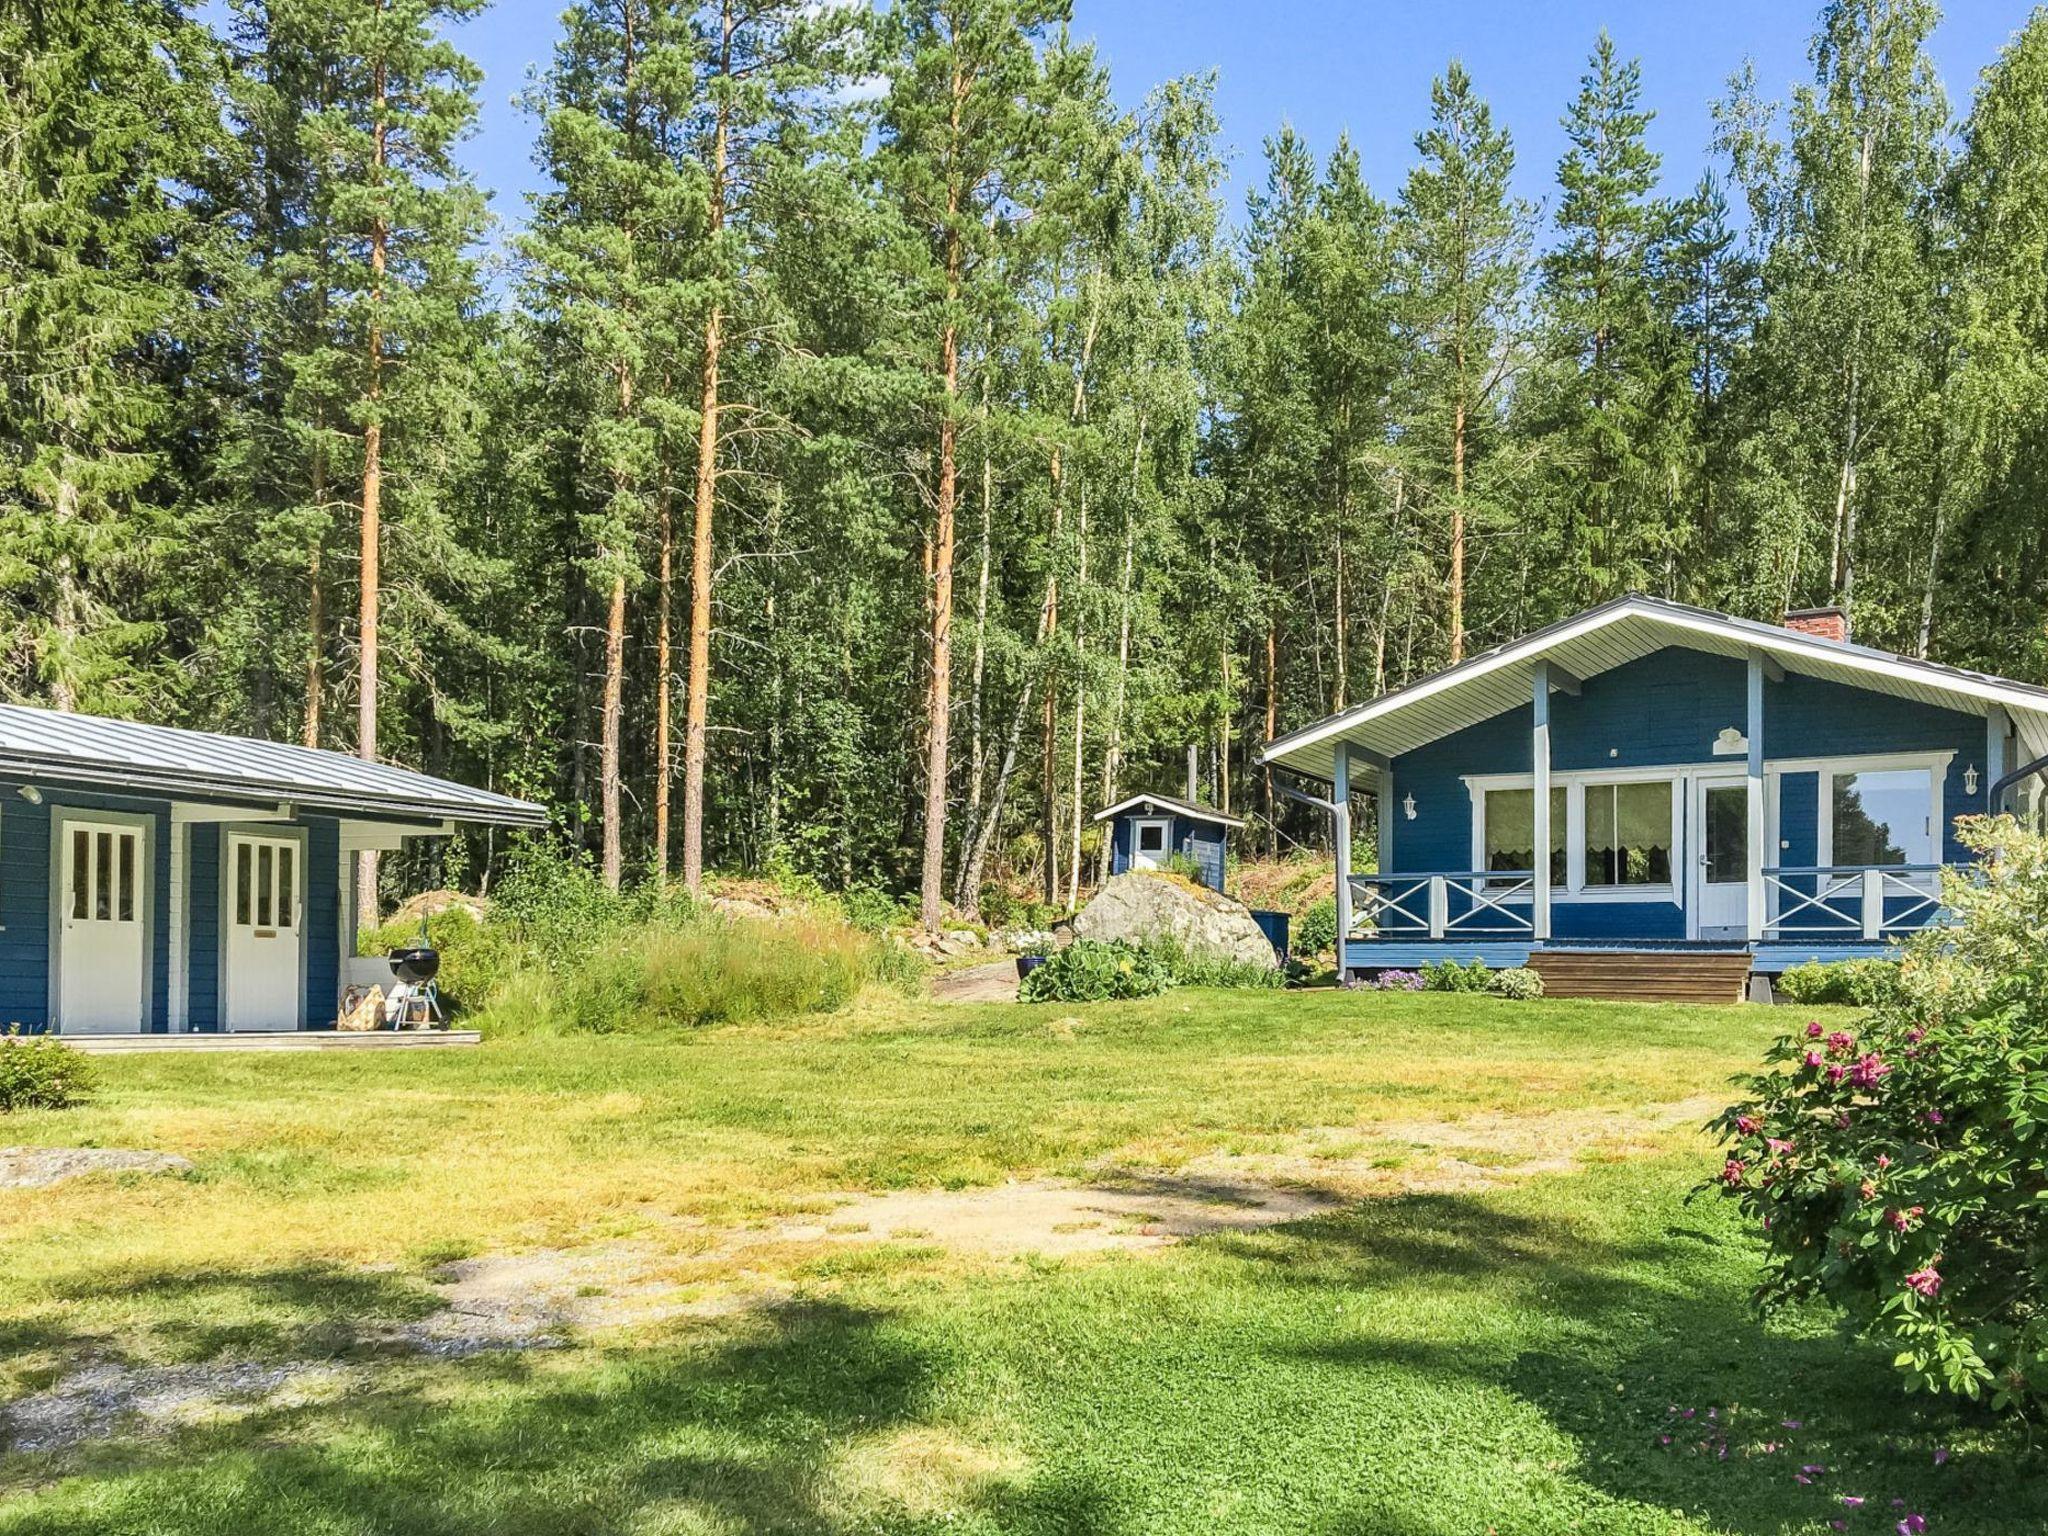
x=1884, y=817
x=1628, y=834
x=1511, y=831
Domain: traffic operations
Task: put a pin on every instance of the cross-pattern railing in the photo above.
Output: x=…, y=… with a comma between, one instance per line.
x=1465, y=903
x=1851, y=901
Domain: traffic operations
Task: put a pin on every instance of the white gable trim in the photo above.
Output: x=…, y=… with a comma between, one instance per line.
x=1769, y=639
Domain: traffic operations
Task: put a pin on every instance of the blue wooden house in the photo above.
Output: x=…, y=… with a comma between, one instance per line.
x=1149, y=831
x=165, y=881
x=1649, y=778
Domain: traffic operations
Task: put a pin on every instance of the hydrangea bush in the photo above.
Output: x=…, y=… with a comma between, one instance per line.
x=1898, y=1169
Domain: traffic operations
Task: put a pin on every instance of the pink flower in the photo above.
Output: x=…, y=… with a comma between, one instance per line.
x=1814, y=1058
x=1915, y=1035
x=1779, y=1148
x=1842, y=1121
x=1883, y=1161
x=1934, y=1117
x=1904, y=1221
x=1852, y=1501
x=1731, y=1175
x=1837, y=1072
x=1941, y=1455
x=1926, y=1281
x=1870, y=1070
x=1842, y=1041
x=1868, y=1190
x=1813, y=1030
x=1747, y=1124
x=1912, y=1525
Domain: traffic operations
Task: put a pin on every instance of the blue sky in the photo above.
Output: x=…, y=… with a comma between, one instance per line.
x=1359, y=65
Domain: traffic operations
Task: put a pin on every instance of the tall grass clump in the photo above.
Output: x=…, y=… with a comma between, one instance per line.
x=562, y=953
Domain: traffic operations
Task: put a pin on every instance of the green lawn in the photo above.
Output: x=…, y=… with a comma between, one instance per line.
x=1458, y=1349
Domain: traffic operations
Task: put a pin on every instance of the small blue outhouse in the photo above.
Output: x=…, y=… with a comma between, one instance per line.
x=1150, y=831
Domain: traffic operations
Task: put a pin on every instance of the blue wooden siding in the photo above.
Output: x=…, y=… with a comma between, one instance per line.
x=25, y=909
x=202, y=910
x=322, y=921
x=1665, y=710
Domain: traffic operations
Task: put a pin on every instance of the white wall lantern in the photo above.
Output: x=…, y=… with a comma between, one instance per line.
x=1408, y=805
x=1970, y=779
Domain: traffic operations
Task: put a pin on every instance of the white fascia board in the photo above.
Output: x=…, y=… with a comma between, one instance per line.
x=1789, y=642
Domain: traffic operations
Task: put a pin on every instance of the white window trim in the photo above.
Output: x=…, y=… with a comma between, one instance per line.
x=1165, y=850
x=1574, y=783
x=1934, y=764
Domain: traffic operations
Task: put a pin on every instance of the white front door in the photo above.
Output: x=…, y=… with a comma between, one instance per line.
x=1151, y=842
x=1720, y=842
x=100, y=938
x=263, y=901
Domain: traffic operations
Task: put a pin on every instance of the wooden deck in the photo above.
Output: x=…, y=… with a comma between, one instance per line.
x=281, y=1040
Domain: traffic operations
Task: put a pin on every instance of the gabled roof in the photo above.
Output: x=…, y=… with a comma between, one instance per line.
x=47, y=745
x=1194, y=810
x=1625, y=630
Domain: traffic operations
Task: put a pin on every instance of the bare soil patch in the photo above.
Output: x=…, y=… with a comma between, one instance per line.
x=39, y=1167
x=544, y=1298
x=995, y=982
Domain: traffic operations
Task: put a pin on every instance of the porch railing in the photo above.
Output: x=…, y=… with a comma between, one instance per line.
x=1870, y=902
x=1460, y=904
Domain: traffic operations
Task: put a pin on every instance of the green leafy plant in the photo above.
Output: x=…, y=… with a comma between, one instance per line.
x=1896, y=1169
x=1314, y=931
x=1089, y=971
x=1191, y=970
x=1864, y=983
x=1450, y=976
x=1517, y=982
x=39, y=1072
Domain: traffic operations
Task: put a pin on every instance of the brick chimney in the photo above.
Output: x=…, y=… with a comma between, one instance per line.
x=1826, y=623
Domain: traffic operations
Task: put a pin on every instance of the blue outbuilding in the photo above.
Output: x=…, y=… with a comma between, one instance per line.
x=1151, y=831
x=160, y=881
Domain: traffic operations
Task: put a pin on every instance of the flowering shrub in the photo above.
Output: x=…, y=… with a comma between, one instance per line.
x=1899, y=1169
x=1518, y=982
x=40, y=1072
x=1449, y=976
x=1864, y=983
x=1398, y=981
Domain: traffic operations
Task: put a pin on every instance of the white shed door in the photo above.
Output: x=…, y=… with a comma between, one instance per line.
x=263, y=926
x=100, y=944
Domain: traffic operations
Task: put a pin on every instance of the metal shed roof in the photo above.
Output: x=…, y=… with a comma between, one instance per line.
x=1194, y=810
x=1622, y=631
x=49, y=745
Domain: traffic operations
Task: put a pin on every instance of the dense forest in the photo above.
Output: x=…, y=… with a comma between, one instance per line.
x=877, y=450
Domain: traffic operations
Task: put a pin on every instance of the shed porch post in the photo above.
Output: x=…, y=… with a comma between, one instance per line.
x=1340, y=832
x=1754, y=729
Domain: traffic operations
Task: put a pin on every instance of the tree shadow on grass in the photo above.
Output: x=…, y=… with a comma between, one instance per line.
x=739, y=1430
x=1647, y=1354
x=188, y=1314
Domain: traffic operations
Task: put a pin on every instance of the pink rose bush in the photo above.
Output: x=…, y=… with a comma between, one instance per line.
x=1899, y=1170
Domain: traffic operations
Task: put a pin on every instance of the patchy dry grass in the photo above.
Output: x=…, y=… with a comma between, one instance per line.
x=1213, y=1262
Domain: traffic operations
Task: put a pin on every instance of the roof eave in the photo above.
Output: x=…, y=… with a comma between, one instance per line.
x=1986, y=689
x=511, y=813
